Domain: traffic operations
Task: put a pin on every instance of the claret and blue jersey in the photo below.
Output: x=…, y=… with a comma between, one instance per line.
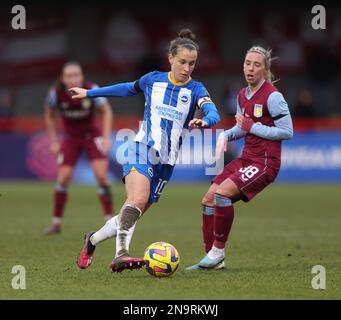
x=169, y=107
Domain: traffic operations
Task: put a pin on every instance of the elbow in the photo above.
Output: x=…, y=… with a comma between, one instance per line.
x=289, y=134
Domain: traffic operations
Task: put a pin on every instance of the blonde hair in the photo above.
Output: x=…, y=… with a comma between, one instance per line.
x=267, y=61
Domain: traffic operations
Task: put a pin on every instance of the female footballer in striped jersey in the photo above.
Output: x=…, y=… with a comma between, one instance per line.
x=263, y=119
x=172, y=98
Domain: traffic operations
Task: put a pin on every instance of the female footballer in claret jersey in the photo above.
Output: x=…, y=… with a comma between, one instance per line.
x=79, y=133
x=172, y=98
x=263, y=119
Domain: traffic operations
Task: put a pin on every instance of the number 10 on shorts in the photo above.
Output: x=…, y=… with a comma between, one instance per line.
x=159, y=188
x=248, y=172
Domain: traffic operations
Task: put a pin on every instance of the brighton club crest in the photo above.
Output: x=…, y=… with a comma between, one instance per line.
x=258, y=110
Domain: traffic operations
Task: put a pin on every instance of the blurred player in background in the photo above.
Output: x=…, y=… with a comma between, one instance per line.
x=172, y=98
x=264, y=119
x=80, y=133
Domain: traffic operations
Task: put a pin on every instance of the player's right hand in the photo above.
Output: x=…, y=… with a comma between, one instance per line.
x=55, y=148
x=220, y=148
x=78, y=93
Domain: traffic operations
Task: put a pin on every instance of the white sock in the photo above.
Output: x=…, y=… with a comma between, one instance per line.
x=56, y=220
x=109, y=230
x=216, y=253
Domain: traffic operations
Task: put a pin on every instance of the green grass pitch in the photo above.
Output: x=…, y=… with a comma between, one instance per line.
x=275, y=241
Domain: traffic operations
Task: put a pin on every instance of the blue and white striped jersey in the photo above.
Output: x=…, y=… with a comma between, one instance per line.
x=168, y=109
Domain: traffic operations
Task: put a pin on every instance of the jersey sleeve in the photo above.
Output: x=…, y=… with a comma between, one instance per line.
x=235, y=132
x=140, y=85
x=51, y=99
x=277, y=106
x=202, y=95
x=99, y=101
x=205, y=103
x=239, y=109
x=279, y=111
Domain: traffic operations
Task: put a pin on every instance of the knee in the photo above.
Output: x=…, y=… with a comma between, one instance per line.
x=139, y=201
x=208, y=199
x=223, y=192
x=101, y=179
x=64, y=179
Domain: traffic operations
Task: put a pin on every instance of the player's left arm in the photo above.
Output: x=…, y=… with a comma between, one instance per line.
x=279, y=111
x=211, y=115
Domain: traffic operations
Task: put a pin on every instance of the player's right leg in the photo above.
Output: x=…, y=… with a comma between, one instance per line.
x=67, y=158
x=93, y=239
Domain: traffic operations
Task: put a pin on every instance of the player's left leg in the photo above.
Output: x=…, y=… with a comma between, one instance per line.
x=208, y=217
x=144, y=186
x=138, y=190
x=100, y=168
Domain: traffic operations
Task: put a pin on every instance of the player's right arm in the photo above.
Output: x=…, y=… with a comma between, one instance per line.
x=117, y=90
x=50, y=122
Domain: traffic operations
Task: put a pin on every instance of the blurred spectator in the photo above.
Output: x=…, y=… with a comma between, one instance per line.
x=231, y=91
x=6, y=102
x=124, y=41
x=149, y=62
x=304, y=106
x=323, y=69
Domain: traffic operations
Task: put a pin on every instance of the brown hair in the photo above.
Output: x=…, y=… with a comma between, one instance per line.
x=73, y=63
x=267, y=61
x=184, y=39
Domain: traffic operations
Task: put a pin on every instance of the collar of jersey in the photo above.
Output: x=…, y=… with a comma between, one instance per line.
x=178, y=83
x=247, y=91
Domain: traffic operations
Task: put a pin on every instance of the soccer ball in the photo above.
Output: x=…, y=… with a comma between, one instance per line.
x=162, y=259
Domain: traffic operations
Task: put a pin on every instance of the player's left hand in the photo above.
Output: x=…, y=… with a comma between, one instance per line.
x=244, y=122
x=220, y=148
x=197, y=123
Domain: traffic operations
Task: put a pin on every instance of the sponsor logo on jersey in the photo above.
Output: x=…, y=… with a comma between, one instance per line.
x=258, y=110
x=169, y=113
x=76, y=114
x=86, y=103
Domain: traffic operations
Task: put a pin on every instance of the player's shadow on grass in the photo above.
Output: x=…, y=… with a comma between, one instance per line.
x=250, y=269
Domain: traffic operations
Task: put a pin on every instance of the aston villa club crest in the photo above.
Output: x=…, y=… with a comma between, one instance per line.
x=64, y=105
x=258, y=110
x=86, y=103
